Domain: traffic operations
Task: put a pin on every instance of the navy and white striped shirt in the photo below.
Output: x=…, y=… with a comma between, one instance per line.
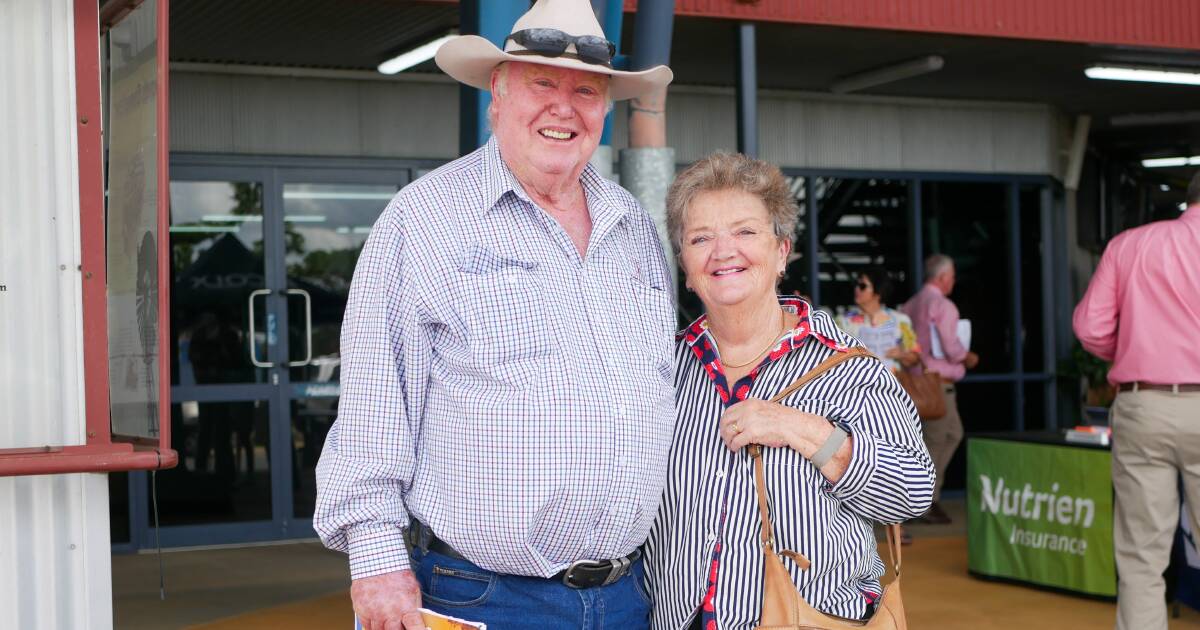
x=889, y=479
x=509, y=393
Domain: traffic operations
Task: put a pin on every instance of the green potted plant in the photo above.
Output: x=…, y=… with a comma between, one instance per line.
x=1084, y=370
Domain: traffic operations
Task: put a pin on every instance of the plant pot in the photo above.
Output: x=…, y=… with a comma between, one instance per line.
x=1100, y=395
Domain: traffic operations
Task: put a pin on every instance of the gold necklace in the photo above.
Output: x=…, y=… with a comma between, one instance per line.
x=782, y=328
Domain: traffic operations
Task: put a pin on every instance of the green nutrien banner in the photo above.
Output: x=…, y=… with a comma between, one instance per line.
x=1041, y=514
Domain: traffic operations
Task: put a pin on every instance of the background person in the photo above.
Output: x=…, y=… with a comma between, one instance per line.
x=886, y=332
x=1142, y=312
x=931, y=307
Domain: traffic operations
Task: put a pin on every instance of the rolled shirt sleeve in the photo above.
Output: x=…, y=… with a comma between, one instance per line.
x=1097, y=316
x=890, y=475
x=368, y=459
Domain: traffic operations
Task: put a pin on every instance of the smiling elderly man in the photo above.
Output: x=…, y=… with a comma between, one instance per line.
x=507, y=398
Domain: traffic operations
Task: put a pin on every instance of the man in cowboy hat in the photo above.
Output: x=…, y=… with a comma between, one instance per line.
x=507, y=399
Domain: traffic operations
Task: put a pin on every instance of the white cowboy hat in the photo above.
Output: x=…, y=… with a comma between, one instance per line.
x=471, y=59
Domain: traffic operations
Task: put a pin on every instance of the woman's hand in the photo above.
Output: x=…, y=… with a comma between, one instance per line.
x=755, y=421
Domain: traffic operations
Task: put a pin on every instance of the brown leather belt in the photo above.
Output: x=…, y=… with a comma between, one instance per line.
x=581, y=573
x=1159, y=387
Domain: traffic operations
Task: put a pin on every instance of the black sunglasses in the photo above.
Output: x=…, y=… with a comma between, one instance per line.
x=863, y=286
x=551, y=42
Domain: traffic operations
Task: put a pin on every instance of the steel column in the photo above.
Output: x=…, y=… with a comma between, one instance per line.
x=747, y=91
x=1049, y=357
x=492, y=19
x=1018, y=328
x=813, y=240
x=916, y=238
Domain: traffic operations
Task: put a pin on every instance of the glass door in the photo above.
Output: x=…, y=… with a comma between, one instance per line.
x=326, y=218
x=262, y=258
x=223, y=332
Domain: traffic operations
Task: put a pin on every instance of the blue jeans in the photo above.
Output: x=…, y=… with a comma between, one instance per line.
x=460, y=589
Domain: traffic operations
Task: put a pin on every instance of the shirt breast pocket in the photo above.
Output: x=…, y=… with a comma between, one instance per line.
x=654, y=326
x=500, y=303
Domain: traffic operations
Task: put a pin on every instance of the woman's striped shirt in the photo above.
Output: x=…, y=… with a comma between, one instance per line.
x=889, y=479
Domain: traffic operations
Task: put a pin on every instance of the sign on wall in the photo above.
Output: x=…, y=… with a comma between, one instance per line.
x=1041, y=514
x=133, y=199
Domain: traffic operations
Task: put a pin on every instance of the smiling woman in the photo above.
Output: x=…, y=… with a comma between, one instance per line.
x=841, y=452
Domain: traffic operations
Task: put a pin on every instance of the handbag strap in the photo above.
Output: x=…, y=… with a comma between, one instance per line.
x=760, y=483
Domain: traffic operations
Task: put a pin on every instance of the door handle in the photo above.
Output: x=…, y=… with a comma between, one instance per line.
x=307, y=327
x=253, y=345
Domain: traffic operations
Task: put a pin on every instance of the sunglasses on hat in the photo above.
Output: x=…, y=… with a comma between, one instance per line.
x=551, y=42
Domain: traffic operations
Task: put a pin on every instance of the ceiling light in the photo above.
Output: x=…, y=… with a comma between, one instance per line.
x=240, y=218
x=417, y=55
x=337, y=194
x=1171, y=161
x=888, y=74
x=1150, y=75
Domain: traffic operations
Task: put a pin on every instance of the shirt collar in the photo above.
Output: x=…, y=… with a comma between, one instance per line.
x=499, y=180
x=820, y=328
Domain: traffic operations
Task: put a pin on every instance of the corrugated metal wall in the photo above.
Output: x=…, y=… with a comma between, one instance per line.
x=867, y=133
x=41, y=376
x=229, y=113
x=1156, y=23
x=54, y=546
x=292, y=116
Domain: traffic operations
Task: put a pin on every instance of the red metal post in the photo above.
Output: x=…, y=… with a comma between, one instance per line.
x=164, y=238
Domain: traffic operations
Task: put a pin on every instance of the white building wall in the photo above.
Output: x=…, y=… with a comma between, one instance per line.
x=54, y=546
x=218, y=109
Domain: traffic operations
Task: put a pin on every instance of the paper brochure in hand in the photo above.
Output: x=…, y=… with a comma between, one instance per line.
x=438, y=621
x=935, y=342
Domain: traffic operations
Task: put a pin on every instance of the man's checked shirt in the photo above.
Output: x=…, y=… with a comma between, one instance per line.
x=512, y=395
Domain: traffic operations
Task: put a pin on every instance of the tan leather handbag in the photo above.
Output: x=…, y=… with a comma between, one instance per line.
x=783, y=607
x=925, y=389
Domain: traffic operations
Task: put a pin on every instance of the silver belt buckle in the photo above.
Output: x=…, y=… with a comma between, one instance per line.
x=618, y=569
x=619, y=566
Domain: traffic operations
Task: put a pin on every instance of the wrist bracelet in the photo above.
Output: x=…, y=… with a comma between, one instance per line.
x=831, y=446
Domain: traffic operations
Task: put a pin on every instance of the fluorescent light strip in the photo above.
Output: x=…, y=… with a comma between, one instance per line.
x=1171, y=161
x=1143, y=74
x=416, y=56
x=305, y=194
x=202, y=229
x=240, y=218
x=304, y=218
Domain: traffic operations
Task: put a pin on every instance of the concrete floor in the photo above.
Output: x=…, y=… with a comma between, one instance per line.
x=211, y=584
x=302, y=585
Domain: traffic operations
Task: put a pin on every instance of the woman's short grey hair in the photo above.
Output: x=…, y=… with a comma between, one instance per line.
x=732, y=171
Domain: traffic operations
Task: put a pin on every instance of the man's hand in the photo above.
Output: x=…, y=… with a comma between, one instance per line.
x=971, y=360
x=388, y=601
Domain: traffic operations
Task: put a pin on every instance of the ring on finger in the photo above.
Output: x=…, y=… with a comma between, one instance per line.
x=736, y=428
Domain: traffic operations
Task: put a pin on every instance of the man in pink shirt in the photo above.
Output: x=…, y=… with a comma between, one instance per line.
x=1142, y=312
x=930, y=309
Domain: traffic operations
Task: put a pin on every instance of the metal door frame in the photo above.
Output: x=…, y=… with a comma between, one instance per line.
x=272, y=172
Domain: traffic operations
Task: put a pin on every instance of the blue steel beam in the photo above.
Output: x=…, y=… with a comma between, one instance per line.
x=492, y=19
x=611, y=14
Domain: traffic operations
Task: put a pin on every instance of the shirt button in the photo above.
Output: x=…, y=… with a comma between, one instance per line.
x=711, y=537
x=720, y=473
